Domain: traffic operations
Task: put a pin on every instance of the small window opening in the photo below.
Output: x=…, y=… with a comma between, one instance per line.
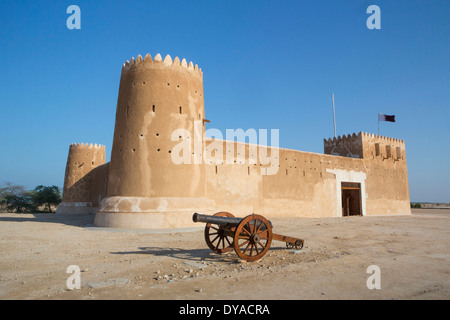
x=377, y=149
x=399, y=153
x=388, y=151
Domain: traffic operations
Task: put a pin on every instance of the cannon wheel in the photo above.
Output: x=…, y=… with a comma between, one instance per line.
x=252, y=238
x=215, y=237
x=298, y=244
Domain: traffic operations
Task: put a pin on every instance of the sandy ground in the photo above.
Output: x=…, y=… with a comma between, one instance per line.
x=412, y=252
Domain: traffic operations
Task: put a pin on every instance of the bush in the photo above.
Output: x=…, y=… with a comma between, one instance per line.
x=15, y=198
x=416, y=205
x=48, y=196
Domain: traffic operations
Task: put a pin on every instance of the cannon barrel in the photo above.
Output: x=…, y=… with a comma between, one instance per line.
x=221, y=221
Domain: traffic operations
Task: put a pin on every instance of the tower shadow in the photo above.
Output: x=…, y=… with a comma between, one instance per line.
x=67, y=219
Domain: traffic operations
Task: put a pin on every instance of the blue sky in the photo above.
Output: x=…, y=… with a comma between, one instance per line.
x=266, y=64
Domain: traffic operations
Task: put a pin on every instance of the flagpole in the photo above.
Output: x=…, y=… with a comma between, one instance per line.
x=334, y=116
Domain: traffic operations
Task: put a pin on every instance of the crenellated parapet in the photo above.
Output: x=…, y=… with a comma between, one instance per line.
x=365, y=145
x=158, y=62
x=382, y=147
x=86, y=146
x=381, y=138
x=345, y=146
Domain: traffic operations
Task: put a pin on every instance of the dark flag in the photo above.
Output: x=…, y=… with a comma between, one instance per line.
x=384, y=117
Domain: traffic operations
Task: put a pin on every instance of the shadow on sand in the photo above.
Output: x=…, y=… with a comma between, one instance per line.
x=66, y=219
x=200, y=255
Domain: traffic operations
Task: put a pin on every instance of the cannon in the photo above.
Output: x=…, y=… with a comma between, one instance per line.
x=250, y=237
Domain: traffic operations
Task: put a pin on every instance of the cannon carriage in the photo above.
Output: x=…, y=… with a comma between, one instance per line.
x=250, y=237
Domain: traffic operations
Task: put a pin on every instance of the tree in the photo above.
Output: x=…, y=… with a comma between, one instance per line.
x=47, y=195
x=16, y=198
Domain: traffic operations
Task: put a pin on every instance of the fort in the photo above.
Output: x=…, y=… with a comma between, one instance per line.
x=160, y=105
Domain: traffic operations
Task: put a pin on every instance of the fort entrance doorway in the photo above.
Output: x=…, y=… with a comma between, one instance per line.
x=351, y=199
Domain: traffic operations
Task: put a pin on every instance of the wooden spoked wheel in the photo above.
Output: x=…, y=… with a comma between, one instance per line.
x=298, y=244
x=252, y=237
x=217, y=238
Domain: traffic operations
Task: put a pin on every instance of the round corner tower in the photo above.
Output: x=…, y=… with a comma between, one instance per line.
x=146, y=187
x=78, y=178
